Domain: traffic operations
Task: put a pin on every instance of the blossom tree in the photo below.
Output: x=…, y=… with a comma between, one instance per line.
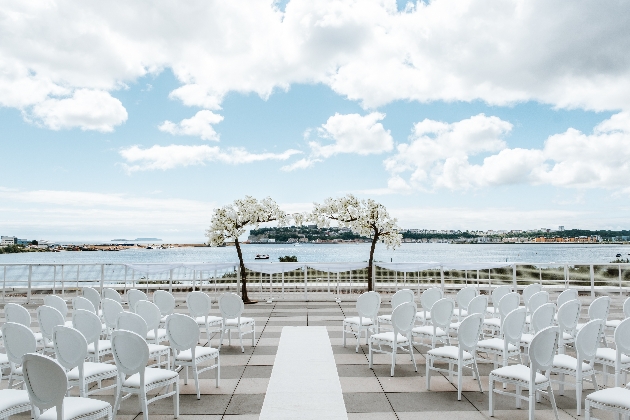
x=363, y=217
x=229, y=222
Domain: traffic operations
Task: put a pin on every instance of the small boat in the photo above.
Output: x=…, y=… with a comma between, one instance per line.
x=618, y=255
x=149, y=247
x=261, y=257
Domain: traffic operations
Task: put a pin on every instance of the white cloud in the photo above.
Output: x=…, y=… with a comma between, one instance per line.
x=300, y=164
x=199, y=125
x=168, y=157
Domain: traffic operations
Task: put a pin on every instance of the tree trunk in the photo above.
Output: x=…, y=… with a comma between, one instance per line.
x=243, y=272
x=371, y=262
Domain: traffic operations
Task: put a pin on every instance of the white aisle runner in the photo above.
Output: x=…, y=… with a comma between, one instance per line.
x=304, y=381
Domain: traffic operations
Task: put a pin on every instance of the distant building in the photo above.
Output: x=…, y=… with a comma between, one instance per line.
x=23, y=242
x=561, y=228
x=8, y=240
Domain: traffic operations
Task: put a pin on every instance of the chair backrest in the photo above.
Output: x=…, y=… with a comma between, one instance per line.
x=93, y=296
x=58, y=303
x=198, y=303
x=498, y=293
x=46, y=382
x=429, y=297
x=165, y=301
x=569, y=315
x=626, y=308
x=82, y=304
x=543, y=317
x=48, y=318
x=536, y=301
x=542, y=350
x=402, y=296
x=508, y=303
x=442, y=313
x=18, y=340
x=530, y=291
x=469, y=331
x=478, y=305
x=368, y=305
x=131, y=352
x=70, y=346
x=587, y=340
x=566, y=296
x=111, y=310
x=622, y=337
x=182, y=332
x=134, y=296
x=17, y=313
x=132, y=322
x=150, y=313
x=513, y=325
x=403, y=318
x=231, y=305
x=599, y=308
x=465, y=295
x=88, y=323
x=112, y=294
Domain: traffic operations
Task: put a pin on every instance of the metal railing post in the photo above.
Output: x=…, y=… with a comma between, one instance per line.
x=442, y=277
x=102, y=278
x=4, y=283
x=592, y=281
x=514, y=282
x=305, y=283
x=30, y=275
x=170, y=280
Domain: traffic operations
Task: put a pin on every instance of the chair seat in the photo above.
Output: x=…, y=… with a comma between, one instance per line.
x=233, y=322
x=151, y=375
x=157, y=348
x=102, y=346
x=428, y=330
x=449, y=352
x=11, y=398
x=492, y=322
x=388, y=336
x=92, y=369
x=38, y=336
x=527, y=338
x=566, y=336
x=201, y=320
x=564, y=361
x=613, y=323
x=616, y=397
x=578, y=327
x=610, y=355
x=490, y=310
x=186, y=355
x=461, y=312
x=517, y=373
x=160, y=332
x=423, y=315
x=528, y=319
x=4, y=360
x=68, y=324
x=75, y=407
x=355, y=320
x=455, y=325
x=496, y=344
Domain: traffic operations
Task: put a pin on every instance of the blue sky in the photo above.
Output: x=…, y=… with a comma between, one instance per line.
x=146, y=127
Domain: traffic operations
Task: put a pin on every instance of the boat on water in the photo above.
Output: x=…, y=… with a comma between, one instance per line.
x=261, y=257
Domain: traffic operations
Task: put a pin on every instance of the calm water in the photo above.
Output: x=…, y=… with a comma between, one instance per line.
x=527, y=253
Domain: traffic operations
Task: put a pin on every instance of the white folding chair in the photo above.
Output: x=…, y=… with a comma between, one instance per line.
x=541, y=319
x=89, y=324
x=427, y=300
x=183, y=336
x=463, y=354
x=535, y=302
x=567, y=317
x=496, y=296
x=199, y=305
x=463, y=299
x=59, y=304
x=541, y=354
x=401, y=296
x=20, y=315
x=112, y=294
x=403, y=318
x=477, y=305
x=441, y=317
x=133, y=297
x=581, y=366
x=111, y=310
x=135, y=323
x=231, y=308
x=13, y=401
x=165, y=301
x=507, y=304
x=508, y=345
x=46, y=383
x=48, y=318
x=368, y=305
x=152, y=316
x=18, y=341
x=93, y=296
x=131, y=354
x=619, y=358
x=71, y=351
x=530, y=291
x=614, y=399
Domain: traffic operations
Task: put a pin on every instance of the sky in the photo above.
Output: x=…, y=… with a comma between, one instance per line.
x=137, y=119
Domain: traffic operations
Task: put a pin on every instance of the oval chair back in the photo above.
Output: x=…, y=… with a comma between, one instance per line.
x=513, y=326
x=402, y=296
x=70, y=346
x=478, y=305
x=368, y=305
x=46, y=382
x=542, y=350
x=469, y=331
x=112, y=294
x=622, y=337
x=626, y=308
x=93, y=296
x=543, y=317
x=498, y=293
x=508, y=303
x=403, y=318
x=111, y=310
x=18, y=314
x=88, y=323
x=18, y=341
x=530, y=291
x=429, y=297
x=599, y=308
x=165, y=301
x=536, y=301
x=58, y=303
x=182, y=332
x=198, y=303
x=129, y=321
x=465, y=295
x=134, y=296
x=566, y=296
x=442, y=313
x=150, y=313
x=48, y=318
x=231, y=306
x=131, y=353
x=587, y=341
x=80, y=303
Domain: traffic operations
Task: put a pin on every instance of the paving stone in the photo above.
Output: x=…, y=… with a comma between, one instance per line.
x=245, y=404
x=366, y=403
x=257, y=372
x=428, y=401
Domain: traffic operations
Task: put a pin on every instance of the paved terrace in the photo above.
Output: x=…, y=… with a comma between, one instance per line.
x=367, y=394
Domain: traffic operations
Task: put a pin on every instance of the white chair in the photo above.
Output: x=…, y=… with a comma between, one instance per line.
x=59, y=304
x=135, y=323
x=231, y=308
x=598, y=309
x=530, y=291
x=368, y=305
x=441, y=316
x=18, y=341
x=131, y=354
x=463, y=298
x=541, y=354
x=476, y=306
x=166, y=302
x=463, y=354
x=586, y=343
x=13, y=401
x=93, y=296
x=615, y=399
x=535, y=302
x=152, y=316
x=82, y=303
x=133, y=297
x=496, y=296
x=507, y=304
x=403, y=318
x=614, y=323
x=566, y=296
x=71, y=351
x=111, y=310
x=20, y=315
x=510, y=344
x=112, y=294
x=568, y=316
x=401, y=296
x=48, y=318
x=199, y=305
x=541, y=319
x=4, y=363
x=89, y=324
x=619, y=358
x=183, y=336
x=427, y=300
x=46, y=383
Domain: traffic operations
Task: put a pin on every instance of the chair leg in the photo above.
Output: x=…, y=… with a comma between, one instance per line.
x=429, y=362
x=176, y=399
x=518, y=394
x=413, y=358
x=196, y=380
x=476, y=372
x=145, y=408
x=218, y=371
x=240, y=337
x=459, y=380
x=594, y=379
x=186, y=375
x=118, y=395
x=356, y=350
x=393, y=361
x=561, y=385
x=221, y=338
x=587, y=409
x=491, y=397
x=578, y=395
x=552, y=398
x=532, y=401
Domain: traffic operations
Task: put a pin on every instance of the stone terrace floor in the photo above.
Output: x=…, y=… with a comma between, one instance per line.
x=368, y=394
